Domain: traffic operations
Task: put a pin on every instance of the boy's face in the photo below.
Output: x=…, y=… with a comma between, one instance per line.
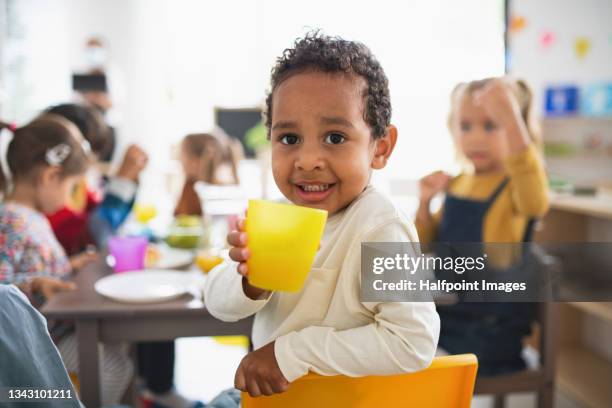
x=322, y=148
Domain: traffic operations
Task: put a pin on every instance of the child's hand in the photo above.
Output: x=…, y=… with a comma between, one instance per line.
x=134, y=161
x=432, y=184
x=83, y=259
x=240, y=253
x=259, y=373
x=500, y=102
x=49, y=287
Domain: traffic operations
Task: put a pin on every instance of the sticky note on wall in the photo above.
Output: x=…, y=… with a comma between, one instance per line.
x=582, y=46
x=561, y=100
x=547, y=38
x=597, y=100
x=517, y=23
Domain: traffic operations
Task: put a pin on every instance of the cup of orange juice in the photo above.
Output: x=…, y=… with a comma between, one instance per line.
x=206, y=260
x=283, y=241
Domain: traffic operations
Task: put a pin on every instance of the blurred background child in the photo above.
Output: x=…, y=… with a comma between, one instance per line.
x=45, y=160
x=209, y=157
x=495, y=200
x=100, y=205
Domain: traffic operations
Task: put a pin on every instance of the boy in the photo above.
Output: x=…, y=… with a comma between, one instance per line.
x=328, y=118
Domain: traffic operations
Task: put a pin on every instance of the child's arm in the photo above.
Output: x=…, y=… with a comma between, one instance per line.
x=225, y=296
x=227, y=293
x=500, y=103
x=114, y=209
x=427, y=223
x=48, y=287
x=40, y=289
x=529, y=183
x=82, y=259
x=402, y=337
x=119, y=197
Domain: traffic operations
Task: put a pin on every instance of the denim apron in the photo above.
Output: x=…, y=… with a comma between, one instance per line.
x=492, y=331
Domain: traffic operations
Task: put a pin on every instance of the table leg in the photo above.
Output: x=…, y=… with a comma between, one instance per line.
x=89, y=372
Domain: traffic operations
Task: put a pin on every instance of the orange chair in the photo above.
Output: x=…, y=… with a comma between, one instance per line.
x=447, y=383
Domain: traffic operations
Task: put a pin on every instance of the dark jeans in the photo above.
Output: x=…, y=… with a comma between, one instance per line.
x=156, y=365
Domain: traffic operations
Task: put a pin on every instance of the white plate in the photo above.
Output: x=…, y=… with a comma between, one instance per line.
x=172, y=258
x=148, y=286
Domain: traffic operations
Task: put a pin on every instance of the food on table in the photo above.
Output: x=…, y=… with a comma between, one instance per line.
x=188, y=221
x=186, y=232
x=153, y=255
x=144, y=212
x=206, y=261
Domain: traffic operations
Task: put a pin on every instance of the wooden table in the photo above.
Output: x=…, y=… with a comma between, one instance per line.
x=100, y=320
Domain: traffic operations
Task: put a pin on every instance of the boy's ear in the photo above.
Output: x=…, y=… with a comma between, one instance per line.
x=384, y=147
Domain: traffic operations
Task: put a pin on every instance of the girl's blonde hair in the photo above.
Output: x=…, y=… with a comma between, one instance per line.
x=214, y=149
x=522, y=92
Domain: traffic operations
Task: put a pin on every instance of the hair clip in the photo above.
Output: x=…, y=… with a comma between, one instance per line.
x=12, y=127
x=86, y=146
x=56, y=155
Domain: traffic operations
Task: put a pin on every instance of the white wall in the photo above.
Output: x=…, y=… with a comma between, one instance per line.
x=181, y=58
x=558, y=63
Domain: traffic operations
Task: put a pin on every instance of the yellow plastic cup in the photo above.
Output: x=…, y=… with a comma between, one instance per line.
x=283, y=240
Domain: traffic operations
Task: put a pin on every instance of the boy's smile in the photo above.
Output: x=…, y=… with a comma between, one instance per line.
x=322, y=148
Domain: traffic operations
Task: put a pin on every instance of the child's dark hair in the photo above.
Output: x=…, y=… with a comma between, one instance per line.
x=90, y=122
x=318, y=52
x=47, y=140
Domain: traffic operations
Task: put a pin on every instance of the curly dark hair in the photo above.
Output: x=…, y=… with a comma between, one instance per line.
x=319, y=52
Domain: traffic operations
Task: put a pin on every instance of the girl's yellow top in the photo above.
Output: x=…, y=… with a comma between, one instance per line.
x=525, y=197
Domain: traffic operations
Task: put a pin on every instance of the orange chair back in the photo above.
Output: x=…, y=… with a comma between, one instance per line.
x=447, y=383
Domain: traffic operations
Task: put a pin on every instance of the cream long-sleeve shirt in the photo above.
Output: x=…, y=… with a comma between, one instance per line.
x=325, y=328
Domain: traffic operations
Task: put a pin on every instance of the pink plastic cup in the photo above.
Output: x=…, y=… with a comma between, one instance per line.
x=128, y=253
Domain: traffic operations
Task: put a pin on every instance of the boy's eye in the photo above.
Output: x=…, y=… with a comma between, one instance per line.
x=465, y=126
x=334, y=138
x=289, y=139
x=490, y=126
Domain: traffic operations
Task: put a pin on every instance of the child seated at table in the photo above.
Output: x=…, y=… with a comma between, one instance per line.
x=494, y=201
x=45, y=160
x=96, y=210
x=209, y=157
x=328, y=118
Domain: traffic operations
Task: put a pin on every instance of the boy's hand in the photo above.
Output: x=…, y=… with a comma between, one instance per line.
x=134, y=161
x=240, y=253
x=259, y=373
x=49, y=287
x=83, y=259
x=432, y=184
